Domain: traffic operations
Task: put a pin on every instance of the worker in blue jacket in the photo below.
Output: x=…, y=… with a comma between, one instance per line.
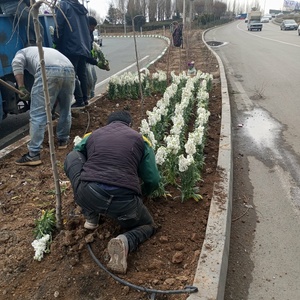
x=72, y=38
x=106, y=170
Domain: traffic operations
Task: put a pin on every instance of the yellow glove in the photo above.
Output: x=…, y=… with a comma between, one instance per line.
x=26, y=94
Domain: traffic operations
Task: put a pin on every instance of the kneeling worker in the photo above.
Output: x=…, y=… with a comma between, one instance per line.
x=105, y=170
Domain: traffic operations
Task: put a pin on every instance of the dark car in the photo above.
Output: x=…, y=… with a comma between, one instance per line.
x=289, y=24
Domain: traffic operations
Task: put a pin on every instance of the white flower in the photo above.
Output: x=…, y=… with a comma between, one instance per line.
x=185, y=162
x=173, y=143
x=161, y=155
x=77, y=140
x=144, y=129
x=40, y=247
x=152, y=139
x=190, y=146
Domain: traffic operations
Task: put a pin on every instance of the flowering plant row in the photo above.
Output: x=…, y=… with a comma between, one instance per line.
x=126, y=86
x=179, y=151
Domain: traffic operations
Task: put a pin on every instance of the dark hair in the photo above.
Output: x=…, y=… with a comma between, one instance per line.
x=121, y=115
x=92, y=21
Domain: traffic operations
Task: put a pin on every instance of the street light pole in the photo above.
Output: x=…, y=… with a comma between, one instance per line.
x=137, y=65
x=183, y=14
x=87, y=5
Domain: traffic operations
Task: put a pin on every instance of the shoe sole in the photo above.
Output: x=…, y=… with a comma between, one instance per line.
x=90, y=226
x=80, y=107
x=62, y=147
x=116, y=250
x=29, y=163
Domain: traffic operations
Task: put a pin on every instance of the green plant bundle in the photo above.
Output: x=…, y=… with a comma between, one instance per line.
x=45, y=224
x=97, y=53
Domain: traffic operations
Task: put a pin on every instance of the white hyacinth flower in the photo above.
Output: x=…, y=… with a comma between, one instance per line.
x=144, y=129
x=190, y=146
x=161, y=155
x=77, y=140
x=185, y=162
x=173, y=143
x=40, y=247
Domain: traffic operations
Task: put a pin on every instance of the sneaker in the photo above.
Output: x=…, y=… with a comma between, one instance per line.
x=90, y=225
x=27, y=160
x=78, y=105
x=86, y=102
x=62, y=145
x=118, y=251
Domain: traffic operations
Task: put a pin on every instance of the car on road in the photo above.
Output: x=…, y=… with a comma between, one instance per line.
x=289, y=24
x=268, y=16
x=97, y=37
x=264, y=20
x=254, y=25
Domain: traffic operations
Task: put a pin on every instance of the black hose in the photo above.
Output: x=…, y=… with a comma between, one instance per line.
x=187, y=289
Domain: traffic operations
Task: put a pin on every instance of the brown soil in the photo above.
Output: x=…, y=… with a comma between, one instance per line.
x=165, y=262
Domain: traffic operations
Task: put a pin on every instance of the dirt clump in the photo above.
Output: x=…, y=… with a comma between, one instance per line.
x=167, y=261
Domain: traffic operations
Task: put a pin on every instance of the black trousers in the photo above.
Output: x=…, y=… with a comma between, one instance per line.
x=127, y=209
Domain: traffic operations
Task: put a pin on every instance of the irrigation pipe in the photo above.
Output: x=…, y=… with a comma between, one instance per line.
x=188, y=289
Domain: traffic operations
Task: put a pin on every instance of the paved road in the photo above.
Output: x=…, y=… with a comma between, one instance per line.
x=121, y=54
x=263, y=71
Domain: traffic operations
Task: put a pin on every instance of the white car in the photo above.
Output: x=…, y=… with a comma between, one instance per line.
x=264, y=20
x=97, y=37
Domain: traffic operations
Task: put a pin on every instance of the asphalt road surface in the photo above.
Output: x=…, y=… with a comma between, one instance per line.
x=122, y=57
x=263, y=76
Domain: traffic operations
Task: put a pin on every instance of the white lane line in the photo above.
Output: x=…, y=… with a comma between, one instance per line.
x=266, y=38
x=120, y=72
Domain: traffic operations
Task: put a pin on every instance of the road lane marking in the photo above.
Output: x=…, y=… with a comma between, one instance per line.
x=120, y=72
x=266, y=38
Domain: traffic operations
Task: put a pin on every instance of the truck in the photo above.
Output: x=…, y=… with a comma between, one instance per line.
x=11, y=41
x=254, y=23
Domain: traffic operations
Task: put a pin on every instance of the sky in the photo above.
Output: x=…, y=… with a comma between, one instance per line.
x=101, y=6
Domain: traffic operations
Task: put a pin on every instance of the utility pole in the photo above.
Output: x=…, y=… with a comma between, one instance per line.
x=191, y=13
x=183, y=15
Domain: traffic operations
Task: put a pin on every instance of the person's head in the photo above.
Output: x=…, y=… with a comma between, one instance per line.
x=121, y=116
x=92, y=23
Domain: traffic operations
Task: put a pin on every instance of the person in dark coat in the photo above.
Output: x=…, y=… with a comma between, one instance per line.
x=72, y=38
x=106, y=170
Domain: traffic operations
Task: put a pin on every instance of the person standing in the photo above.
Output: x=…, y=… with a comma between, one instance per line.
x=72, y=38
x=61, y=82
x=91, y=72
x=105, y=170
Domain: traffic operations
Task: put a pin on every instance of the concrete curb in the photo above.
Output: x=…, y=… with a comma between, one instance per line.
x=211, y=272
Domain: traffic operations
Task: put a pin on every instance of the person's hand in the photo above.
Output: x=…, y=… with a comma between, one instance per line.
x=26, y=94
x=104, y=65
x=91, y=61
x=107, y=68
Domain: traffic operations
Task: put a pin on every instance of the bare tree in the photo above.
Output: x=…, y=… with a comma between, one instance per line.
x=168, y=14
x=152, y=4
x=34, y=9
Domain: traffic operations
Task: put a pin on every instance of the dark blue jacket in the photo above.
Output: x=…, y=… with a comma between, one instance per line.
x=75, y=40
x=118, y=155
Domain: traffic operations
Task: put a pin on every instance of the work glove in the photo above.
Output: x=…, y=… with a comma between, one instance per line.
x=26, y=94
x=103, y=64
